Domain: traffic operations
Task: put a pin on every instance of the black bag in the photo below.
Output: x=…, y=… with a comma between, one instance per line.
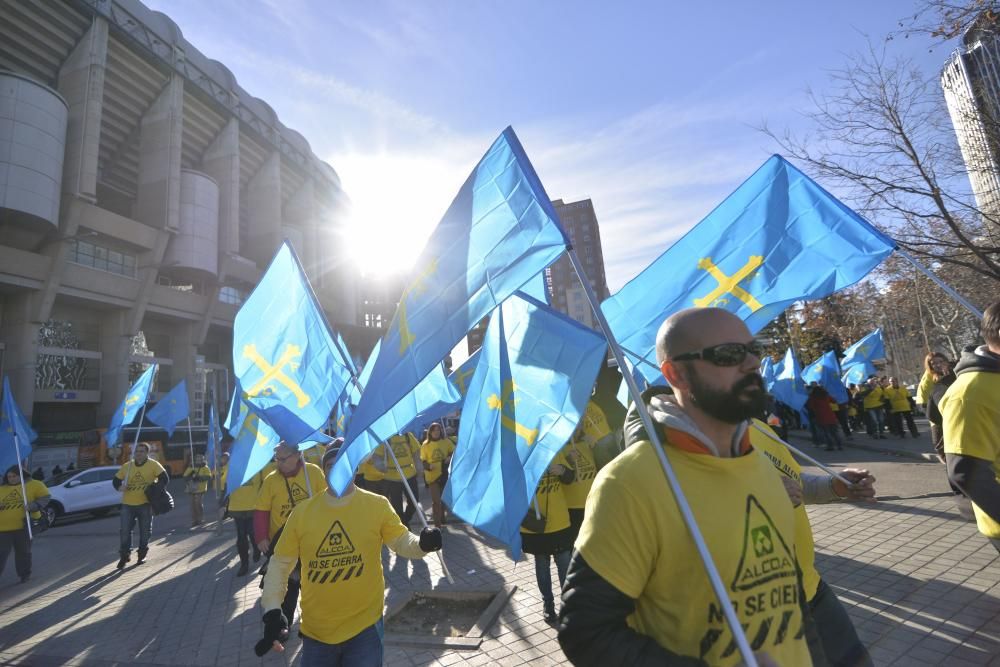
x=160, y=499
x=39, y=526
x=533, y=522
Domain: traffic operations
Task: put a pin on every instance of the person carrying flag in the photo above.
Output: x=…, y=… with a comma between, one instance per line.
x=338, y=541
x=241, y=505
x=435, y=453
x=198, y=475
x=138, y=475
x=872, y=398
x=291, y=483
x=636, y=592
x=13, y=521
x=406, y=447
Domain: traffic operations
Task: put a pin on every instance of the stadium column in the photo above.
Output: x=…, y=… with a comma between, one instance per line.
x=116, y=348
x=19, y=332
x=221, y=161
x=264, y=211
x=183, y=350
x=300, y=213
x=158, y=197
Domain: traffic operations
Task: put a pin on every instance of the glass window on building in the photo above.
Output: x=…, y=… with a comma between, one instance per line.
x=102, y=258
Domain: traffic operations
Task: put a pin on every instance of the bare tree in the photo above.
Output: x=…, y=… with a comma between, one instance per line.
x=883, y=139
x=947, y=19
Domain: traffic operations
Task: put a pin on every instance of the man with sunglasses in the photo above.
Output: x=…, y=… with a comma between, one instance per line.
x=636, y=592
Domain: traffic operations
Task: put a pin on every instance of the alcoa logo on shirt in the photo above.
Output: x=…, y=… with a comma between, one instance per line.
x=12, y=501
x=765, y=589
x=136, y=482
x=336, y=559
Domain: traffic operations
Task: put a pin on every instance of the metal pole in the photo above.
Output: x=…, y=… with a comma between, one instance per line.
x=191, y=443
x=920, y=312
x=413, y=499
x=24, y=493
x=675, y=486
x=940, y=283
x=135, y=443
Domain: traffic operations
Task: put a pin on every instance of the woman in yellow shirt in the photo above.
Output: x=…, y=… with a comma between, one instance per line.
x=13, y=523
x=546, y=531
x=435, y=452
x=198, y=476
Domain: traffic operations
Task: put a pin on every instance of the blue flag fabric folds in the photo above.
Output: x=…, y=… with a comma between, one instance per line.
x=253, y=446
x=423, y=402
x=777, y=239
x=349, y=399
x=284, y=354
x=170, y=409
x=134, y=401
x=826, y=372
x=788, y=385
x=462, y=376
x=868, y=349
x=499, y=232
x=13, y=423
x=859, y=372
x=767, y=372
x=530, y=389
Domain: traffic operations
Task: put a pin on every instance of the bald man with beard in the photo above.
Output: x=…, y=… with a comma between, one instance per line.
x=636, y=592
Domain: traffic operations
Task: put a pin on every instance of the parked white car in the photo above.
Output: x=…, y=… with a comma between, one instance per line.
x=87, y=490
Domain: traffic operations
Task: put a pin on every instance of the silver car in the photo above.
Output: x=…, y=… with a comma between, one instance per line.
x=88, y=490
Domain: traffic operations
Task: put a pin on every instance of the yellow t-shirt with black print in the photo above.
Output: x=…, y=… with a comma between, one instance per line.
x=550, y=499
x=595, y=424
x=274, y=494
x=244, y=499
x=634, y=537
x=434, y=453
x=203, y=471
x=139, y=479
x=369, y=472
x=786, y=464
x=339, y=542
x=585, y=470
x=12, y=503
x=406, y=448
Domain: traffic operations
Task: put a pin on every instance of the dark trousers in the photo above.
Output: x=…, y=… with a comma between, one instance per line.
x=398, y=497
x=19, y=542
x=837, y=635
x=543, y=574
x=244, y=535
x=130, y=514
x=291, y=597
x=362, y=650
x=995, y=542
x=830, y=436
x=842, y=418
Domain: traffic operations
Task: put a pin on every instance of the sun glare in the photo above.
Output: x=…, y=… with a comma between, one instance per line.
x=395, y=203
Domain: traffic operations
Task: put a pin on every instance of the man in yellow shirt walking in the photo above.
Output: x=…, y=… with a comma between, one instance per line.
x=338, y=541
x=198, y=475
x=636, y=592
x=971, y=425
x=138, y=476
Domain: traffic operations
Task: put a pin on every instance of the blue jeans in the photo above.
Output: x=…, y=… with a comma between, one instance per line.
x=130, y=514
x=362, y=650
x=544, y=576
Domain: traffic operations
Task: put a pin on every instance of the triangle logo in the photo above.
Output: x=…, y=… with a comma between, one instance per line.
x=765, y=553
x=336, y=542
x=298, y=493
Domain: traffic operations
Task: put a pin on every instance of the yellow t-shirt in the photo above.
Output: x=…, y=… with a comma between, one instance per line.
x=971, y=425
x=585, y=472
x=314, y=455
x=595, y=424
x=925, y=387
x=898, y=397
x=339, y=541
x=406, y=448
x=369, y=472
x=244, y=499
x=274, y=494
x=634, y=537
x=139, y=478
x=203, y=471
x=874, y=399
x=550, y=499
x=434, y=453
x=12, y=503
x=786, y=464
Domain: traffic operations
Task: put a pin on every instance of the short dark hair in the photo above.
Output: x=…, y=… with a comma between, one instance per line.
x=991, y=324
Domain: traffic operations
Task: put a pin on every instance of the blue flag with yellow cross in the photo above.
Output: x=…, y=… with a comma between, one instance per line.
x=826, y=372
x=532, y=384
x=134, y=401
x=499, y=233
x=13, y=423
x=170, y=409
x=866, y=350
x=253, y=442
x=284, y=354
x=779, y=238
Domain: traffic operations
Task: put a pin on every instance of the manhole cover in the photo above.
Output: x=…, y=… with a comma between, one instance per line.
x=447, y=619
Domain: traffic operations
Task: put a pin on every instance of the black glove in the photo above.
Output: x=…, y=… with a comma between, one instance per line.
x=275, y=629
x=430, y=540
x=117, y=483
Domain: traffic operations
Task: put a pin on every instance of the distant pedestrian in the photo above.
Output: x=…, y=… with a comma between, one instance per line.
x=872, y=398
x=435, y=453
x=70, y=467
x=57, y=470
x=900, y=409
x=942, y=377
x=138, y=476
x=971, y=425
x=198, y=475
x=13, y=520
x=825, y=421
x=39, y=474
x=546, y=532
x=407, y=452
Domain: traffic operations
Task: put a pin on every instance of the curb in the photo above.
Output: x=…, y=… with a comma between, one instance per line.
x=902, y=453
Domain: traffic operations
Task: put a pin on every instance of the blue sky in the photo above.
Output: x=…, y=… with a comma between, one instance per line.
x=648, y=108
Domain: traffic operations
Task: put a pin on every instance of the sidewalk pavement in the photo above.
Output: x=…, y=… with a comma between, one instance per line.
x=922, y=587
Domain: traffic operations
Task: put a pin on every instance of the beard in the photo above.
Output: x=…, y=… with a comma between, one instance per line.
x=733, y=405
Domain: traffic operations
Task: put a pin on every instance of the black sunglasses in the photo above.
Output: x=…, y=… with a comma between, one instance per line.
x=725, y=354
